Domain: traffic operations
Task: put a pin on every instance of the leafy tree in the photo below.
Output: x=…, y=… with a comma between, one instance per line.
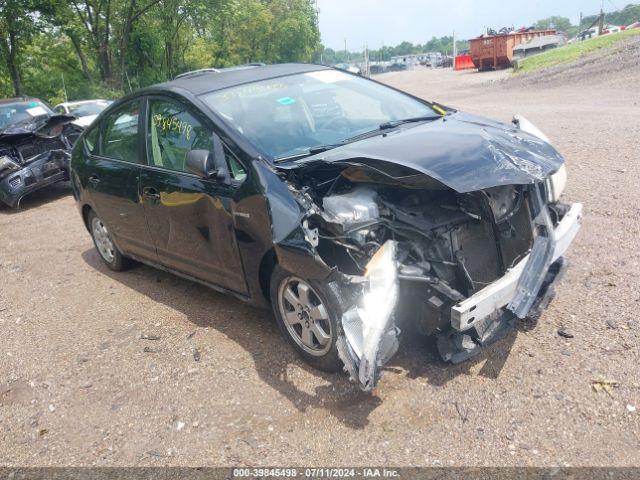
x=18, y=23
x=560, y=24
x=107, y=47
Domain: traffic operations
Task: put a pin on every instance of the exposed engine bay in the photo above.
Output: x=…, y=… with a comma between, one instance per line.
x=414, y=249
x=34, y=156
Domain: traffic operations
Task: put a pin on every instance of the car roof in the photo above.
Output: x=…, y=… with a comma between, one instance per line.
x=208, y=81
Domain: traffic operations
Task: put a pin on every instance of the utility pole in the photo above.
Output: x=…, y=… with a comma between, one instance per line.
x=346, y=54
x=64, y=88
x=455, y=51
x=601, y=22
x=580, y=24
x=365, y=69
x=318, y=27
x=601, y=19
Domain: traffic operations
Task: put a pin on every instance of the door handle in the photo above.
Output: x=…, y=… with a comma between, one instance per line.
x=94, y=179
x=151, y=194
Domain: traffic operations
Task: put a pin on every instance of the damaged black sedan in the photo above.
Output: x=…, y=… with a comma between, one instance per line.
x=35, y=147
x=350, y=208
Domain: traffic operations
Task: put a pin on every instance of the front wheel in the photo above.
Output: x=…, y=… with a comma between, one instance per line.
x=107, y=249
x=307, y=313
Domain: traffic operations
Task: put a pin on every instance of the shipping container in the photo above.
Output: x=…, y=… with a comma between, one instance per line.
x=493, y=52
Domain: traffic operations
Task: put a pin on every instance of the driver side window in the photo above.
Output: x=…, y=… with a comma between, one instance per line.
x=174, y=131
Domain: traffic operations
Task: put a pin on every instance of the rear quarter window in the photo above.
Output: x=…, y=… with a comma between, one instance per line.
x=91, y=140
x=119, y=133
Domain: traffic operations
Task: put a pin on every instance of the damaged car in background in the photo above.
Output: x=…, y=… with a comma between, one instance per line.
x=35, y=147
x=356, y=211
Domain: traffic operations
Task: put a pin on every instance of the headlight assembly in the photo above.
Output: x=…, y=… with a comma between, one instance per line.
x=557, y=182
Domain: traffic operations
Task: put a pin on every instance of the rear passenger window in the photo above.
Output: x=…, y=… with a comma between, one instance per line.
x=120, y=134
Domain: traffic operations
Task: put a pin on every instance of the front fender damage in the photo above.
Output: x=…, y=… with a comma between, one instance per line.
x=367, y=334
x=293, y=242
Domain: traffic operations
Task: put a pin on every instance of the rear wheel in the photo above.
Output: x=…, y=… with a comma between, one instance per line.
x=307, y=313
x=107, y=249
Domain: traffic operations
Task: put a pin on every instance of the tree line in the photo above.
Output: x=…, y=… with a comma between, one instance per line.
x=104, y=48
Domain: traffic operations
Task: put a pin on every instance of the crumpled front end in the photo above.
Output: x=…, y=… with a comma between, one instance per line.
x=460, y=266
x=33, y=159
x=43, y=170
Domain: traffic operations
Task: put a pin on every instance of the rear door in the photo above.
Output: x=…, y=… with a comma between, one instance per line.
x=190, y=218
x=113, y=170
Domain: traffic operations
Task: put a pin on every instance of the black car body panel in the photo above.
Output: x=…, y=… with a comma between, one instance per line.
x=36, y=154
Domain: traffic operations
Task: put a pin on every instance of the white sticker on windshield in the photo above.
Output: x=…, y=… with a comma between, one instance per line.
x=328, y=76
x=36, y=111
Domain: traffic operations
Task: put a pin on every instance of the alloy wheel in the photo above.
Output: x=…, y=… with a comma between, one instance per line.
x=103, y=240
x=305, y=316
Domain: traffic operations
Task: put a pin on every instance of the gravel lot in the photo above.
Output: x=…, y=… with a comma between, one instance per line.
x=78, y=385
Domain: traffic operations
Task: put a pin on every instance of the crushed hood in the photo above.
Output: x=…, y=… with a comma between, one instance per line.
x=464, y=152
x=38, y=126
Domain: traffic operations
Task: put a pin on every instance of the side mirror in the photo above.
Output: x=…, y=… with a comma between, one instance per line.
x=200, y=162
x=208, y=164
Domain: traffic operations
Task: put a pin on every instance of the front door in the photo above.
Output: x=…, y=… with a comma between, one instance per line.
x=113, y=177
x=190, y=218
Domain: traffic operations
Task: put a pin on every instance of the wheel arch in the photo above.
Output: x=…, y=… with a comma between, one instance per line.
x=267, y=264
x=86, y=210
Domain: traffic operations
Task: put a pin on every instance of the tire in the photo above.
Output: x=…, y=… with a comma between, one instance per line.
x=105, y=246
x=320, y=294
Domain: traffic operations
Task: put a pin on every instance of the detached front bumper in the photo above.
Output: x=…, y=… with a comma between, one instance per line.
x=474, y=310
x=50, y=168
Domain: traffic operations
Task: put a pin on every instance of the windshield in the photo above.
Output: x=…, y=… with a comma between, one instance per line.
x=89, y=108
x=18, y=112
x=287, y=116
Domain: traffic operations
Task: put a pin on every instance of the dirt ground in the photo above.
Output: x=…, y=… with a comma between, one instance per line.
x=78, y=385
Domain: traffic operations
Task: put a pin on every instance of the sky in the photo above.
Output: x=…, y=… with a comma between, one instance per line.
x=389, y=22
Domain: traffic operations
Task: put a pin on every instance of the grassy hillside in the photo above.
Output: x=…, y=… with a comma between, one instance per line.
x=571, y=52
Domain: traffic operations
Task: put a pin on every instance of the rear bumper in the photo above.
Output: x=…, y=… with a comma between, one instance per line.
x=497, y=295
x=50, y=168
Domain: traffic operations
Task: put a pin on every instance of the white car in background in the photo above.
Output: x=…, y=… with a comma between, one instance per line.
x=85, y=110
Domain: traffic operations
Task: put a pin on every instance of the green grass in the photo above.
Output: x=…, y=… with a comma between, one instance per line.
x=574, y=51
